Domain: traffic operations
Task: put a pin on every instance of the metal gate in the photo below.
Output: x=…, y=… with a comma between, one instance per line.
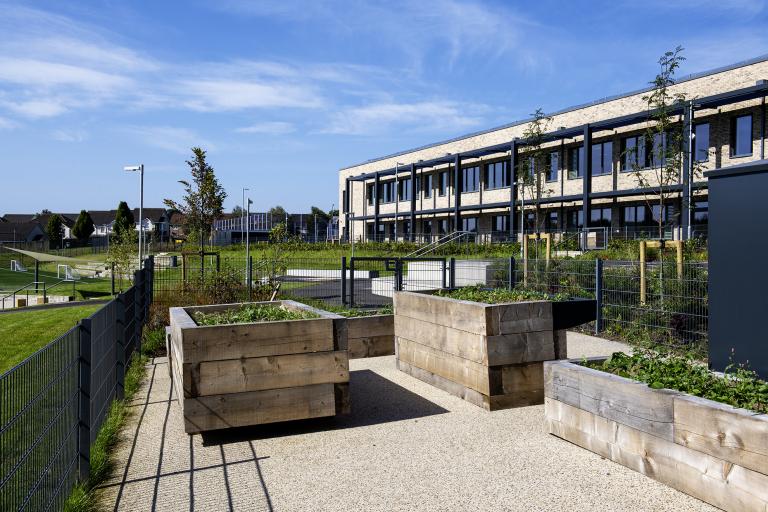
x=373, y=280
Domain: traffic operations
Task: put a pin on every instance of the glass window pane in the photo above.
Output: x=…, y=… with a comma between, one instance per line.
x=597, y=159
x=701, y=152
x=607, y=157
x=743, y=143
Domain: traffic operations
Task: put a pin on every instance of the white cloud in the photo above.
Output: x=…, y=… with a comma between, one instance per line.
x=70, y=135
x=269, y=128
x=223, y=95
x=6, y=124
x=170, y=138
x=381, y=117
x=37, y=108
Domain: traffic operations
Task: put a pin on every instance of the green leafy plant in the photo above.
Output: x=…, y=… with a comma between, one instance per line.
x=251, y=313
x=499, y=295
x=738, y=386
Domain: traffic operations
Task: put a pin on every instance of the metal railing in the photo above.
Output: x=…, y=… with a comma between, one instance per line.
x=53, y=403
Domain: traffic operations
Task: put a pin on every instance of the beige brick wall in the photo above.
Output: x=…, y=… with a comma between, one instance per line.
x=719, y=120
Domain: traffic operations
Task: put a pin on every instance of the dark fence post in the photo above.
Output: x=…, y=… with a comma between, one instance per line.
x=250, y=278
x=511, y=272
x=344, y=280
x=84, y=409
x=445, y=277
x=138, y=308
x=599, y=295
x=452, y=283
x=398, y=275
x=352, y=282
x=120, y=333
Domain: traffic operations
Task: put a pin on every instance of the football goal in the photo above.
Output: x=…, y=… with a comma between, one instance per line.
x=66, y=273
x=16, y=266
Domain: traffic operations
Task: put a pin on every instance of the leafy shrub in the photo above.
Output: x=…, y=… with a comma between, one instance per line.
x=739, y=386
x=251, y=313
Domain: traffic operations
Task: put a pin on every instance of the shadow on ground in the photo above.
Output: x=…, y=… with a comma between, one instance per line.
x=374, y=400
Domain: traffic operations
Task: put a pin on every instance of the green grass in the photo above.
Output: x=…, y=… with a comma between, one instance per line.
x=498, y=295
x=251, y=313
x=85, y=288
x=341, y=310
x=24, y=332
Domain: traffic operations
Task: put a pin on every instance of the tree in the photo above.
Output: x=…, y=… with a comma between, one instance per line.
x=238, y=210
x=320, y=213
x=55, y=231
x=203, y=197
x=124, y=222
x=656, y=160
x=122, y=252
x=83, y=227
x=534, y=164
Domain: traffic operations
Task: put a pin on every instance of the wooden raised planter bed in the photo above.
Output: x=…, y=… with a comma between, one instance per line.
x=712, y=451
x=371, y=336
x=252, y=373
x=488, y=354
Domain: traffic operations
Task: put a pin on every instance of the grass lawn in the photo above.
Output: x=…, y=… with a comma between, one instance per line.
x=24, y=332
x=85, y=288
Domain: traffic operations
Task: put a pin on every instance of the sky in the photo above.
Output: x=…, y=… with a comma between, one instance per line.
x=283, y=94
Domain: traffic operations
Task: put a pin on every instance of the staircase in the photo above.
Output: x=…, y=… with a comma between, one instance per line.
x=440, y=242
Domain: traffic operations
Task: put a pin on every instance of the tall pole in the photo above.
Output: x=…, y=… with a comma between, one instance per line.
x=141, y=216
x=397, y=195
x=248, y=240
x=242, y=218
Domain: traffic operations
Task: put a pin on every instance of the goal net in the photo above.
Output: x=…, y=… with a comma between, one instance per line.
x=16, y=266
x=66, y=273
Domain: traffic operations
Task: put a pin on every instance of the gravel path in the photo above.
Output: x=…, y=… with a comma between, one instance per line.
x=406, y=446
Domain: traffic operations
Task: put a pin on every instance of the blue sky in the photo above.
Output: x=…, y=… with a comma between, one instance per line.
x=284, y=93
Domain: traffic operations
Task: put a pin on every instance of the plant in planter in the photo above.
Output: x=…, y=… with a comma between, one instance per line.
x=670, y=418
x=485, y=345
x=247, y=364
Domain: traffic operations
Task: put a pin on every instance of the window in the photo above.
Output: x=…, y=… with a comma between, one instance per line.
x=426, y=227
x=554, y=166
x=635, y=215
x=667, y=213
x=701, y=142
x=392, y=231
x=701, y=212
x=500, y=223
x=443, y=226
x=496, y=175
x=369, y=193
x=387, y=192
x=530, y=222
x=552, y=221
x=575, y=219
x=741, y=136
x=442, y=185
x=427, y=185
x=602, y=158
x=575, y=155
x=632, y=151
x=470, y=179
x=655, y=154
x=469, y=224
x=531, y=167
x=406, y=227
x=404, y=189
x=600, y=217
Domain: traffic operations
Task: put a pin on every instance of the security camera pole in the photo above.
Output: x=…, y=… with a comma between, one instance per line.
x=140, y=169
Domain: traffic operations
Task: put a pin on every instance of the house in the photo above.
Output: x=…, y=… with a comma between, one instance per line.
x=155, y=221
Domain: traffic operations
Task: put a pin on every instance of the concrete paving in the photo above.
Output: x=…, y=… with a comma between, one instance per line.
x=406, y=446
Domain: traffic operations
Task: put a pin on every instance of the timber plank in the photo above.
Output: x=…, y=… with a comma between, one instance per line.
x=623, y=400
x=517, y=348
x=736, y=435
x=374, y=346
x=257, y=407
x=272, y=372
x=519, y=317
x=453, y=388
x=462, y=371
x=443, y=338
x=371, y=326
x=459, y=314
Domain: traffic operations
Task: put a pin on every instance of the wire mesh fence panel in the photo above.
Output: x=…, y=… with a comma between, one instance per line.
x=38, y=427
x=313, y=278
x=423, y=274
x=372, y=281
x=104, y=358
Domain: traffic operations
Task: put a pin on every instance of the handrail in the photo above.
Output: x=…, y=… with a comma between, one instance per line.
x=451, y=237
x=13, y=293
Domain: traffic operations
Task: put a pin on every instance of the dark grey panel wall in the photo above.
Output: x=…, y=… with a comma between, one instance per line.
x=738, y=266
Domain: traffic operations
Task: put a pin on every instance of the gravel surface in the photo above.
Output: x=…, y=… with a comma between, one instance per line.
x=406, y=446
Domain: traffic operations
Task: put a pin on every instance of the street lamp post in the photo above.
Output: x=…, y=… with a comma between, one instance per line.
x=140, y=169
x=242, y=217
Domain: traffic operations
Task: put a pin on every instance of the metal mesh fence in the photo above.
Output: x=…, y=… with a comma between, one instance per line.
x=54, y=402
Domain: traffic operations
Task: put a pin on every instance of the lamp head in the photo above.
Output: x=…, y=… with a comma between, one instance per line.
x=132, y=168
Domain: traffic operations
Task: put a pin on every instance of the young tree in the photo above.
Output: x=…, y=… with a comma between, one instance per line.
x=83, y=227
x=203, y=197
x=238, y=210
x=534, y=164
x=320, y=213
x=55, y=231
x=122, y=252
x=124, y=221
x=656, y=161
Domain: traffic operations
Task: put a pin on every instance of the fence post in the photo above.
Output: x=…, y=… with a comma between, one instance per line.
x=344, y=280
x=352, y=282
x=138, y=308
x=84, y=409
x=250, y=278
x=599, y=295
x=452, y=282
x=120, y=339
x=398, y=275
x=511, y=272
x=444, y=279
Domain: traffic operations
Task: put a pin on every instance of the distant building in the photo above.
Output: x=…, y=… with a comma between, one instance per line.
x=229, y=229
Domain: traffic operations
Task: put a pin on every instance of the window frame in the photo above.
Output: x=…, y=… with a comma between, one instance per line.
x=549, y=178
x=696, y=138
x=442, y=188
x=601, y=146
x=734, y=136
x=578, y=172
x=427, y=185
x=504, y=175
x=475, y=172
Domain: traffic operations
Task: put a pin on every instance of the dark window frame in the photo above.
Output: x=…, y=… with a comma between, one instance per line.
x=575, y=172
x=428, y=180
x=474, y=173
x=697, y=138
x=443, y=182
x=600, y=148
x=493, y=171
x=554, y=157
x=734, y=136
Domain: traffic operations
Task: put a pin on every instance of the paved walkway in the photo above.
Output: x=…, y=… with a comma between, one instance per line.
x=406, y=446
